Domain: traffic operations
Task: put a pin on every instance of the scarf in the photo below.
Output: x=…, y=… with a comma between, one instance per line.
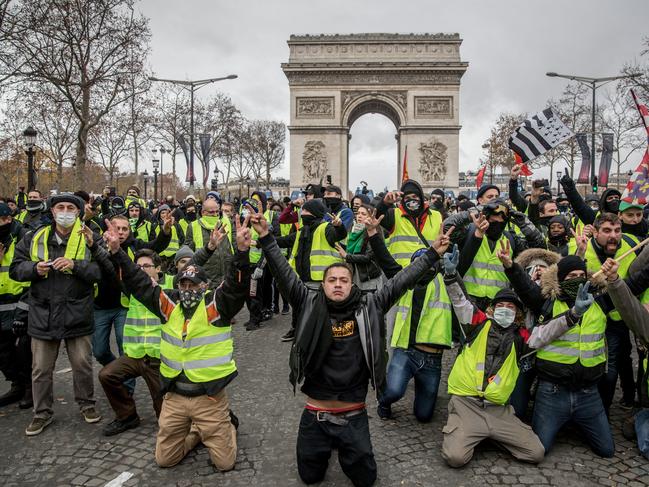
x=355, y=241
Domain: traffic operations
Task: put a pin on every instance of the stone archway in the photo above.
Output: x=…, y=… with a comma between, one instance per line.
x=412, y=79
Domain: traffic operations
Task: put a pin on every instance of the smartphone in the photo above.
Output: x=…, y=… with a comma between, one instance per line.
x=49, y=263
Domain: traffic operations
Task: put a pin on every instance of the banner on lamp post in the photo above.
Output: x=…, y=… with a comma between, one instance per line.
x=204, y=141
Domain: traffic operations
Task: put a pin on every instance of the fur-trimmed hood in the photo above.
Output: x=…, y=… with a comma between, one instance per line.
x=530, y=255
x=550, y=282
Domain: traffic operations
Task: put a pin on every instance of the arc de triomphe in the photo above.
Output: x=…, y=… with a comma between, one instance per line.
x=413, y=79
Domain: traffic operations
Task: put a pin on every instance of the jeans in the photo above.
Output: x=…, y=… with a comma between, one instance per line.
x=642, y=431
x=426, y=368
x=521, y=394
x=316, y=439
x=555, y=405
x=619, y=364
x=105, y=319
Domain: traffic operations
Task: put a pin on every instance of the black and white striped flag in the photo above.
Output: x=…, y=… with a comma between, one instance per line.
x=538, y=134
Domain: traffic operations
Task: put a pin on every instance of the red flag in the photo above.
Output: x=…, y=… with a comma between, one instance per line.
x=479, y=178
x=525, y=170
x=404, y=173
x=637, y=189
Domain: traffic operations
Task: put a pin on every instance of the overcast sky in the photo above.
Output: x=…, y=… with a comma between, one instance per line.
x=509, y=45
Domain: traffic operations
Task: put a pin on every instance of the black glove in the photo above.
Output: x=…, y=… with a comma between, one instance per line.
x=567, y=182
x=518, y=218
x=19, y=328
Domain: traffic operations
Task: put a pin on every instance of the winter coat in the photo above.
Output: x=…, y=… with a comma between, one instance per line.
x=61, y=304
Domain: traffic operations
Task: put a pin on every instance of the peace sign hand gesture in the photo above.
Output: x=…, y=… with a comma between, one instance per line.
x=584, y=300
x=443, y=240
x=216, y=237
x=581, y=239
x=504, y=254
x=244, y=237
x=111, y=238
x=481, y=224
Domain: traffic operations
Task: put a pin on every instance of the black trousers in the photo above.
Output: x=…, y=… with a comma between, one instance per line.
x=316, y=439
x=16, y=358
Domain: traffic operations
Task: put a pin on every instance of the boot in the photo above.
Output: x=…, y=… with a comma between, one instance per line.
x=13, y=395
x=27, y=402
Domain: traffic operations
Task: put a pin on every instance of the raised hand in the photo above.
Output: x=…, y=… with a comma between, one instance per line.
x=583, y=300
x=609, y=268
x=216, y=237
x=392, y=197
x=566, y=181
x=581, y=239
x=451, y=260
x=481, y=224
x=516, y=171
x=341, y=251
x=372, y=223
x=443, y=240
x=335, y=220
x=243, y=234
x=87, y=234
x=503, y=254
x=167, y=223
x=112, y=240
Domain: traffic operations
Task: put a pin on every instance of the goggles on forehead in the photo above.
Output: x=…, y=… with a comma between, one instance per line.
x=496, y=209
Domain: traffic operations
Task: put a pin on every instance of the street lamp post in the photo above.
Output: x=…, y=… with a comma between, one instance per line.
x=558, y=183
x=192, y=86
x=145, y=176
x=156, y=165
x=30, y=149
x=592, y=84
x=162, y=153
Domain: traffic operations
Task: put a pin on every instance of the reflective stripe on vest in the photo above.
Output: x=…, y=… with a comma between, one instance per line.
x=141, y=334
x=203, y=354
x=174, y=243
x=75, y=248
x=486, y=276
x=321, y=255
x=593, y=264
x=7, y=284
x=584, y=342
x=255, y=252
x=435, y=320
x=285, y=230
x=467, y=375
x=404, y=241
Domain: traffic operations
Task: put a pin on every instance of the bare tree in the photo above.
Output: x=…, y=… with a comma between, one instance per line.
x=497, y=151
x=86, y=49
x=140, y=115
x=110, y=141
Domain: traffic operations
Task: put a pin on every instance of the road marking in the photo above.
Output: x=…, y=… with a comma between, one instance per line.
x=119, y=480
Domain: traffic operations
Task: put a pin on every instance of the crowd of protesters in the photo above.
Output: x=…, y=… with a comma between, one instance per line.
x=537, y=297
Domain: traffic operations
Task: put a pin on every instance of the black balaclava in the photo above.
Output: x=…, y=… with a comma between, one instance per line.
x=334, y=203
x=412, y=187
x=569, y=287
x=611, y=206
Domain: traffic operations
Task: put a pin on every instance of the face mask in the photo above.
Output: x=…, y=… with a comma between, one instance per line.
x=333, y=203
x=308, y=220
x=413, y=205
x=438, y=204
x=34, y=205
x=190, y=216
x=613, y=206
x=564, y=209
x=495, y=230
x=639, y=229
x=594, y=206
x=190, y=298
x=65, y=219
x=4, y=230
x=245, y=213
x=504, y=317
x=569, y=287
x=132, y=222
x=558, y=239
x=210, y=221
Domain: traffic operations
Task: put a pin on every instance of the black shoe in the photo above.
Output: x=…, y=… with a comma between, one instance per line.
x=251, y=326
x=12, y=395
x=266, y=315
x=286, y=310
x=628, y=428
x=289, y=336
x=116, y=427
x=234, y=420
x=384, y=412
x=27, y=401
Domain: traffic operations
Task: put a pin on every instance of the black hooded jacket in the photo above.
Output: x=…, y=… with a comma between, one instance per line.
x=584, y=212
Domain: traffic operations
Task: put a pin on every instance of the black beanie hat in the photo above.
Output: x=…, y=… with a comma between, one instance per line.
x=486, y=187
x=411, y=187
x=568, y=264
x=315, y=207
x=559, y=219
x=508, y=296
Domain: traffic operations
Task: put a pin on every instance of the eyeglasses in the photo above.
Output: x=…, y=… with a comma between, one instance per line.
x=146, y=266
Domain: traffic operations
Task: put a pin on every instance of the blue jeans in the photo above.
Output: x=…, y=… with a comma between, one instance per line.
x=105, y=320
x=642, y=431
x=619, y=364
x=555, y=405
x=426, y=368
x=520, y=397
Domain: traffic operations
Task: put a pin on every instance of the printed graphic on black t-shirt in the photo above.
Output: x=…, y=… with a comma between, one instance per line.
x=343, y=329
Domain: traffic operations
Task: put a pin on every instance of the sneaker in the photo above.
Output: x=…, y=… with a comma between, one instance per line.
x=37, y=426
x=384, y=412
x=252, y=326
x=116, y=427
x=289, y=336
x=628, y=428
x=266, y=315
x=90, y=415
x=234, y=420
x=286, y=310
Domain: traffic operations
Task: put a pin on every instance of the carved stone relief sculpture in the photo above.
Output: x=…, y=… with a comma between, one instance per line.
x=314, y=161
x=315, y=107
x=432, y=164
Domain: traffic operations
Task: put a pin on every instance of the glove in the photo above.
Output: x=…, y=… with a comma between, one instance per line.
x=451, y=260
x=520, y=219
x=567, y=182
x=19, y=328
x=583, y=300
x=258, y=273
